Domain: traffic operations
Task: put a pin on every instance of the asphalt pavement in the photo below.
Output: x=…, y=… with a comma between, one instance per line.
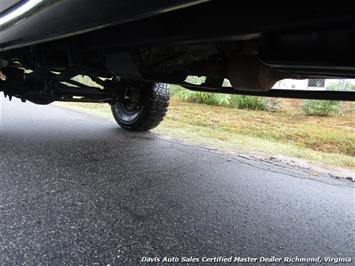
x=76, y=189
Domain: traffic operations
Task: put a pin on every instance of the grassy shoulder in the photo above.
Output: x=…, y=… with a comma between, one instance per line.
x=328, y=140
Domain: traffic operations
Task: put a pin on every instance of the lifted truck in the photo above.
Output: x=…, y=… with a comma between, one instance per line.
x=133, y=48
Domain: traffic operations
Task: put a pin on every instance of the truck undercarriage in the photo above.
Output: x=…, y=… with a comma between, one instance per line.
x=123, y=47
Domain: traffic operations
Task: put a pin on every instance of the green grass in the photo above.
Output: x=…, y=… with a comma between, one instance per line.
x=329, y=140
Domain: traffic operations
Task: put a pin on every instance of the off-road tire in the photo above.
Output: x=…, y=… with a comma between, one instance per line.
x=153, y=110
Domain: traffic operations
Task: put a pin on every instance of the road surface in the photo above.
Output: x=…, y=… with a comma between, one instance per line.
x=75, y=189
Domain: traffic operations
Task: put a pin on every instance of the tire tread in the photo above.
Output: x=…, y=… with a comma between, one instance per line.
x=155, y=109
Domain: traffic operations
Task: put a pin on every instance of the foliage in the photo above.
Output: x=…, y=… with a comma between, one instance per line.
x=327, y=108
x=195, y=80
x=321, y=107
x=196, y=97
x=237, y=101
x=249, y=102
x=340, y=85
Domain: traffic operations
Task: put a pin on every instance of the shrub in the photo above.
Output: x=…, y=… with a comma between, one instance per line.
x=199, y=97
x=321, y=107
x=192, y=96
x=249, y=102
x=341, y=85
x=237, y=101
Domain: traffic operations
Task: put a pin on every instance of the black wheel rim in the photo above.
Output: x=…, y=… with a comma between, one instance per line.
x=127, y=113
